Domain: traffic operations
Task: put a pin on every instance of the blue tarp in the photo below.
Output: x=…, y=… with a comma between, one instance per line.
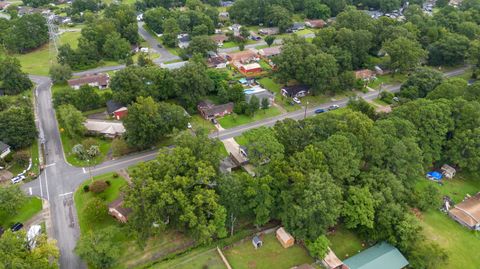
x=434, y=175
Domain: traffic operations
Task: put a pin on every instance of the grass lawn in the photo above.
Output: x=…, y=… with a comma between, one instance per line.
x=70, y=38
x=270, y=84
x=230, y=120
x=68, y=143
x=461, y=244
x=200, y=123
x=199, y=258
x=344, y=243
x=131, y=255
x=387, y=79
x=28, y=210
x=270, y=255
x=36, y=62
x=241, y=140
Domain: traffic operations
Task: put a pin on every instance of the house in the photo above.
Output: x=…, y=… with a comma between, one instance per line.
x=269, y=31
x=467, y=212
x=4, y=150
x=226, y=3
x=116, y=110
x=297, y=26
x=236, y=29
x=219, y=38
x=260, y=93
x=331, y=261
x=382, y=255
x=365, y=74
x=183, y=41
x=117, y=210
x=295, y=91
x=216, y=61
x=270, y=52
x=285, y=239
x=4, y=5
x=109, y=129
x=248, y=69
x=315, y=23
x=209, y=110
x=243, y=57
x=223, y=15
x=257, y=242
x=96, y=80
x=254, y=36
x=448, y=171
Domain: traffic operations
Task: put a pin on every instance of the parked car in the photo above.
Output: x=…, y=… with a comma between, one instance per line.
x=296, y=100
x=18, y=179
x=214, y=121
x=159, y=45
x=17, y=226
x=333, y=107
x=320, y=110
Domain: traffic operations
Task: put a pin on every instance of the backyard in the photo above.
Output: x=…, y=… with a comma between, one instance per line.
x=345, y=243
x=155, y=248
x=270, y=255
x=461, y=244
x=198, y=258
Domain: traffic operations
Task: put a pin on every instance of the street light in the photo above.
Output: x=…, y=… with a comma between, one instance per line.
x=305, y=114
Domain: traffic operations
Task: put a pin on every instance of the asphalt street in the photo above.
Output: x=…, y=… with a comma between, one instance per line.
x=59, y=180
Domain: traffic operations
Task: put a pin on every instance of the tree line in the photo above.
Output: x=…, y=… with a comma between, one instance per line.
x=23, y=34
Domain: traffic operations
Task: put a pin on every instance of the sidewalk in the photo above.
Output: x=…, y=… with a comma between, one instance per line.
x=42, y=216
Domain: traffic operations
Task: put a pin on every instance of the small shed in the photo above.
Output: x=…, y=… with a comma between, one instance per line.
x=448, y=171
x=284, y=238
x=257, y=242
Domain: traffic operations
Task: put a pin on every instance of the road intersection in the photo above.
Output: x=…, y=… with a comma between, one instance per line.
x=59, y=180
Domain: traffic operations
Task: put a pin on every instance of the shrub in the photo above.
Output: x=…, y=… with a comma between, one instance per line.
x=86, y=188
x=95, y=209
x=115, y=175
x=21, y=158
x=98, y=186
x=119, y=147
x=108, y=182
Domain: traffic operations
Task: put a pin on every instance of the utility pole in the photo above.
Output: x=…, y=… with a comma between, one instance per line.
x=305, y=114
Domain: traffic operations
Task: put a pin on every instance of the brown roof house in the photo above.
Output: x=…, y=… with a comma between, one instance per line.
x=315, y=23
x=209, y=110
x=117, y=210
x=467, y=212
x=284, y=238
x=331, y=261
x=365, y=74
x=270, y=51
x=243, y=57
x=97, y=80
x=219, y=39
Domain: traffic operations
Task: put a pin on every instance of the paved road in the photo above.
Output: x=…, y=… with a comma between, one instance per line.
x=59, y=180
x=165, y=55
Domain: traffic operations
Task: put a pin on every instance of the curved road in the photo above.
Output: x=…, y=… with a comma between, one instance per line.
x=59, y=180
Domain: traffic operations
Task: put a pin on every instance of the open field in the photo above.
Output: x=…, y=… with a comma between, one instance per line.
x=32, y=206
x=461, y=244
x=232, y=120
x=37, y=61
x=270, y=255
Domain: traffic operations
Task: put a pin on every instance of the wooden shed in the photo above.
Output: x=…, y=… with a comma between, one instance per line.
x=284, y=238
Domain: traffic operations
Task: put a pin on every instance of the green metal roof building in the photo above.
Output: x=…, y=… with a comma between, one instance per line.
x=380, y=256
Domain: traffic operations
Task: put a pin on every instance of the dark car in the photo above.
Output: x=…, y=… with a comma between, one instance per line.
x=320, y=110
x=160, y=46
x=214, y=121
x=17, y=226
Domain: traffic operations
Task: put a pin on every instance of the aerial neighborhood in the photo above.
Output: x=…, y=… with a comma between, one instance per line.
x=244, y=134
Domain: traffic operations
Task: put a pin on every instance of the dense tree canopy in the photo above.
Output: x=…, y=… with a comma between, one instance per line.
x=24, y=33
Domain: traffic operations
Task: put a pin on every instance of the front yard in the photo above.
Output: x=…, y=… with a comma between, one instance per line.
x=232, y=120
x=103, y=143
x=270, y=255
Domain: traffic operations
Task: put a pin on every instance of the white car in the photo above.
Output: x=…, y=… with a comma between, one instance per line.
x=296, y=100
x=333, y=107
x=189, y=125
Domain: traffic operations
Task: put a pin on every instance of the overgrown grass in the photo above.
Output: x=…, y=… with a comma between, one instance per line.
x=70, y=38
x=269, y=84
x=38, y=61
x=270, y=255
x=200, y=123
x=387, y=80
x=232, y=121
x=200, y=258
x=68, y=143
x=32, y=206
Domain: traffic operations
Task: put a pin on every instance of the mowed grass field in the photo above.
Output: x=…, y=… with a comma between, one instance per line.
x=236, y=120
x=32, y=206
x=197, y=259
x=270, y=255
x=461, y=244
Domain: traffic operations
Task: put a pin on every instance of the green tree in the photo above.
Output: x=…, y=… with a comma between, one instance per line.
x=12, y=199
x=357, y=43
x=12, y=79
x=231, y=189
x=141, y=123
x=316, y=10
x=405, y=54
x=449, y=89
x=269, y=40
x=320, y=71
x=359, y=208
x=279, y=16
x=253, y=106
x=15, y=253
x=360, y=105
x=18, y=126
x=99, y=249
x=60, y=73
x=193, y=83
x=201, y=44
x=262, y=146
x=26, y=33
x=451, y=49
x=95, y=209
x=71, y=120
x=420, y=83
x=171, y=31
x=319, y=247
x=464, y=149
x=115, y=47
x=265, y=104
x=154, y=18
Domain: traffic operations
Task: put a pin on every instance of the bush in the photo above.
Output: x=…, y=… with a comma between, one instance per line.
x=108, y=182
x=119, y=147
x=387, y=97
x=98, y=186
x=95, y=209
x=115, y=175
x=86, y=188
x=21, y=158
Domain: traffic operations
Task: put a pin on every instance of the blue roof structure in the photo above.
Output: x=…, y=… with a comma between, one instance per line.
x=434, y=175
x=380, y=256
